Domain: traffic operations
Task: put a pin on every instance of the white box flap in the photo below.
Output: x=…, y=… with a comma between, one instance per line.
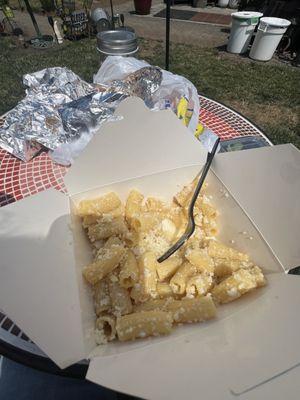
x=222, y=358
x=266, y=183
x=281, y=386
x=38, y=286
x=142, y=143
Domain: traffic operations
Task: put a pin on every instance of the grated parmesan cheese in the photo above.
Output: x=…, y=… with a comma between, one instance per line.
x=233, y=292
x=153, y=242
x=100, y=336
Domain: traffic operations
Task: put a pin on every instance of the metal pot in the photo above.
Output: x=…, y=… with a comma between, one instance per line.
x=118, y=42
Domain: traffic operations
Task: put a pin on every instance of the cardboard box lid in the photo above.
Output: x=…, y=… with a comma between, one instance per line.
x=33, y=217
x=38, y=287
x=221, y=363
x=143, y=142
x=266, y=182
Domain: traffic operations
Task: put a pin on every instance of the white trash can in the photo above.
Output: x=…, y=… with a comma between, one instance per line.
x=242, y=28
x=269, y=34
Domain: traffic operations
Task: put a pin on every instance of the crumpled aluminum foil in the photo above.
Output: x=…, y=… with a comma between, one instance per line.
x=59, y=107
x=143, y=83
x=56, y=80
x=87, y=113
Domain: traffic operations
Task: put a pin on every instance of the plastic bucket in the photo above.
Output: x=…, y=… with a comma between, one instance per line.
x=242, y=28
x=269, y=34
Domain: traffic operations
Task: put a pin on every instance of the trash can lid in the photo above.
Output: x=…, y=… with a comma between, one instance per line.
x=278, y=22
x=246, y=15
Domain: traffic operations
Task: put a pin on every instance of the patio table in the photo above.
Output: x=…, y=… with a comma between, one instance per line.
x=19, y=180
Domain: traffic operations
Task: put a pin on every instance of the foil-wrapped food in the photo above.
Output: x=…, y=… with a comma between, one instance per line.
x=59, y=107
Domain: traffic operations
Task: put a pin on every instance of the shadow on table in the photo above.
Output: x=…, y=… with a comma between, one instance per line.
x=18, y=382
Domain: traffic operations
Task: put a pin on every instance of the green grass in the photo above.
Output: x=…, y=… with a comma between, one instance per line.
x=268, y=94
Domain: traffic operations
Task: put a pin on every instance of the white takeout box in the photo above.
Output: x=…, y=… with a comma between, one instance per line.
x=251, y=350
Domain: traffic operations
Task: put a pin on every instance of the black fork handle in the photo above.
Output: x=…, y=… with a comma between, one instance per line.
x=205, y=170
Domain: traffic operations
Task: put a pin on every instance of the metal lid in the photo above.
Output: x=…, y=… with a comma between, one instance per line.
x=117, y=42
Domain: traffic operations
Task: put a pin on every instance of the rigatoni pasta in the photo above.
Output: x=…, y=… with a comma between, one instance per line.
x=164, y=290
x=168, y=267
x=105, y=329
x=200, y=259
x=153, y=304
x=239, y=283
x=106, y=227
x=185, y=310
x=192, y=310
x=219, y=250
x=134, y=295
x=179, y=280
x=102, y=299
x=133, y=206
x=148, y=275
x=226, y=266
x=129, y=272
x=143, y=324
x=120, y=299
x=107, y=259
x=199, y=285
x=99, y=206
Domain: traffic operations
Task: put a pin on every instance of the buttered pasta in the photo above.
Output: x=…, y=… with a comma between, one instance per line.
x=134, y=295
